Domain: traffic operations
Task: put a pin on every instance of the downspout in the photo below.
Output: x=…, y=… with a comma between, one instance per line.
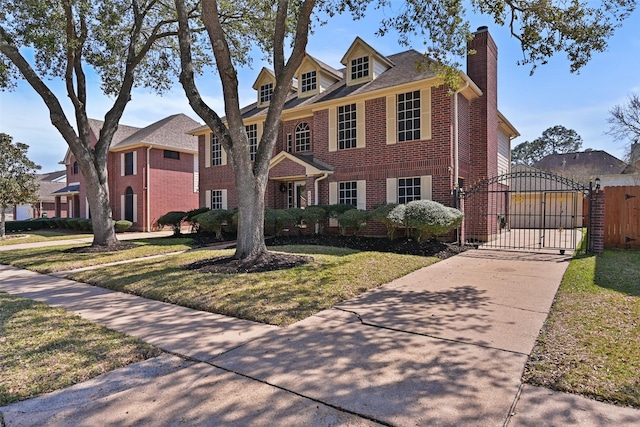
x=315, y=191
x=456, y=147
x=456, y=138
x=148, y=195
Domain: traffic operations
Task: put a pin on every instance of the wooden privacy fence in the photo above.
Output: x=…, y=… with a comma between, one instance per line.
x=622, y=217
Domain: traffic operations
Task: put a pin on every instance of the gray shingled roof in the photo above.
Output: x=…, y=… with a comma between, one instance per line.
x=582, y=164
x=169, y=133
x=47, y=187
x=406, y=69
x=122, y=133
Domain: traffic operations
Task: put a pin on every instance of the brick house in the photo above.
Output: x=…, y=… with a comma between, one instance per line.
x=45, y=206
x=152, y=171
x=381, y=129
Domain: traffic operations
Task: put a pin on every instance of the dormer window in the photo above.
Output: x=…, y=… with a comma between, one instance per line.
x=363, y=64
x=360, y=68
x=308, y=81
x=266, y=91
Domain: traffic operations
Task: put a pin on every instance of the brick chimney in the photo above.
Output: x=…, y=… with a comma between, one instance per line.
x=482, y=68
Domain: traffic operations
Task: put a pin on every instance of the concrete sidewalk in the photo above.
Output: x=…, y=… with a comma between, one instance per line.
x=445, y=345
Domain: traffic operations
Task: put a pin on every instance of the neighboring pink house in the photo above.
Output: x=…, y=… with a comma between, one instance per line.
x=152, y=171
x=379, y=130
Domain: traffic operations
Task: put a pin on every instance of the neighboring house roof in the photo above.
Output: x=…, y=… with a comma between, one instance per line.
x=48, y=185
x=169, y=133
x=527, y=179
x=582, y=165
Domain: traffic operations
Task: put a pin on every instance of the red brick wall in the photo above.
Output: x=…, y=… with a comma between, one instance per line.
x=171, y=184
x=597, y=217
x=215, y=178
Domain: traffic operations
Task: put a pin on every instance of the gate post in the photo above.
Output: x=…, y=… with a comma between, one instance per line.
x=596, y=216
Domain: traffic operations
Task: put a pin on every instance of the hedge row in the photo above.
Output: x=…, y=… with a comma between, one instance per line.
x=79, y=224
x=423, y=218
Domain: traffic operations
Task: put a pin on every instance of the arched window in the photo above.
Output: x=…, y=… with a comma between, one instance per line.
x=128, y=204
x=75, y=168
x=303, y=137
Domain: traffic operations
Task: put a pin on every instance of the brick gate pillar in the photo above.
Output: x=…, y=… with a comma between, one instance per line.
x=597, y=222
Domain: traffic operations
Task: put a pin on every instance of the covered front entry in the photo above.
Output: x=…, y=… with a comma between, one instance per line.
x=527, y=209
x=296, y=179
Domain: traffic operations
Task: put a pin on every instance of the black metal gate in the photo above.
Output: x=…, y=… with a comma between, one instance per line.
x=528, y=210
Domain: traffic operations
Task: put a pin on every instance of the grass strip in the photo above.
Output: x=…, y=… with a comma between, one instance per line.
x=56, y=258
x=43, y=349
x=278, y=297
x=590, y=343
x=41, y=236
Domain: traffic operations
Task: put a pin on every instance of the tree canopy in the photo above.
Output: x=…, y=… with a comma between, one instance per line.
x=17, y=176
x=554, y=140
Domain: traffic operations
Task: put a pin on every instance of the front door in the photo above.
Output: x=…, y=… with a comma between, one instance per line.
x=297, y=194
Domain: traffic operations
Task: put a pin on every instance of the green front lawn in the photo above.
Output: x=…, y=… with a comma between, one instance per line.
x=41, y=236
x=43, y=349
x=278, y=297
x=56, y=258
x=590, y=344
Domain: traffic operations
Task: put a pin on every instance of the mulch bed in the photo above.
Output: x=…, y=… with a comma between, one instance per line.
x=121, y=246
x=264, y=262
x=272, y=261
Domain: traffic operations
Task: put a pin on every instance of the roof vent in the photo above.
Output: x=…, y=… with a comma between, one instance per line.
x=482, y=29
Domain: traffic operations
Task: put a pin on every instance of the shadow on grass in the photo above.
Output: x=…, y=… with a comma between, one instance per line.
x=619, y=270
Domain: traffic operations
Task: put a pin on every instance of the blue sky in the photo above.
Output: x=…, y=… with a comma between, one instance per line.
x=552, y=96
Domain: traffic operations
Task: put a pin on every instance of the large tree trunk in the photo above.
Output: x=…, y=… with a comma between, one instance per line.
x=250, y=216
x=101, y=218
x=2, y=229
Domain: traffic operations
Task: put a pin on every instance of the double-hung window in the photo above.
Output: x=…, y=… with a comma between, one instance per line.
x=216, y=151
x=408, y=190
x=347, y=125
x=252, y=135
x=409, y=116
x=348, y=193
x=216, y=199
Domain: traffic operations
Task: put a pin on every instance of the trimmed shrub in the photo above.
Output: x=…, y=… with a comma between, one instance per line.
x=431, y=219
x=73, y=223
x=381, y=214
x=397, y=216
x=296, y=214
x=85, y=224
x=353, y=219
x=277, y=220
x=315, y=215
x=213, y=221
x=192, y=214
x=61, y=222
x=122, y=225
x=173, y=219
